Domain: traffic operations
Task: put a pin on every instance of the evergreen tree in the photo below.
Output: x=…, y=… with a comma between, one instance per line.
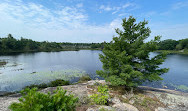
x=126, y=59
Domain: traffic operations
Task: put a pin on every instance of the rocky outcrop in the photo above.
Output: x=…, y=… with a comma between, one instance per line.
x=173, y=100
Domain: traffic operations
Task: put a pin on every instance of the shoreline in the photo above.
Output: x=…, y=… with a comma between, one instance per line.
x=171, y=91
x=173, y=52
x=34, y=51
x=143, y=98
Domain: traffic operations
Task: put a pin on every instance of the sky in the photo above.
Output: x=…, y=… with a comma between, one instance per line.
x=90, y=20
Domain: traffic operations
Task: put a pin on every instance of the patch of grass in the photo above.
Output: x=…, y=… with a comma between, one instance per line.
x=145, y=103
x=58, y=82
x=136, y=97
x=84, y=79
x=39, y=86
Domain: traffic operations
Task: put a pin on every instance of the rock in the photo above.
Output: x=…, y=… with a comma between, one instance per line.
x=91, y=109
x=125, y=107
x=6, y=101
x=131, y=101
x=115, y=100
x=124, y=96
x=92, y=82
x=161, y=109
x=108, y=108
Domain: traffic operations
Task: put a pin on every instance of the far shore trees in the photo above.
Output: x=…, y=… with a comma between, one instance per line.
x=126, y=58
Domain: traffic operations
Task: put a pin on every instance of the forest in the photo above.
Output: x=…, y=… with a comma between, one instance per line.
x=170, y=44
x=10, y=44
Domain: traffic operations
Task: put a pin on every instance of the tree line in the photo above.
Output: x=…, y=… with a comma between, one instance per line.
x=170, y=44
x=11, y=44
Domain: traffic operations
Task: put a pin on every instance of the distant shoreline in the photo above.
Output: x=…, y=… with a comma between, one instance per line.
x=31, y=51
x=174, y=51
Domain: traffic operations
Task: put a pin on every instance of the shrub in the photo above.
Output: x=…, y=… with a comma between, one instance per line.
x=84, y=79
x=102, y=96
x=58, y=82
x=40, y=86
x=37, y=101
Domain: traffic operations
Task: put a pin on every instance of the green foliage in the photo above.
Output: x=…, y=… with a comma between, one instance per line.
x=183, y=43
x=126, y=59
x=57, y=82
x=37, y=101
x=102, y=96
x=84, y=79
x=10, y=44
x=168, y=44
x=39, y=86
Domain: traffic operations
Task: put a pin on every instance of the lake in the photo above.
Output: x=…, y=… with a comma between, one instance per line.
x=41, y=67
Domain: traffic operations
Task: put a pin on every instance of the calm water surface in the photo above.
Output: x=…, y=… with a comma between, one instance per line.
x=34, y=68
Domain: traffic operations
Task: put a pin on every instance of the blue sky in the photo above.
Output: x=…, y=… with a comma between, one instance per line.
x=90, y=20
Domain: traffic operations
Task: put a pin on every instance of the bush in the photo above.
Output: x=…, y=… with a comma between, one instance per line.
x=40, y=86
x=58, y=82
x=84, y=79
x=102, y=96
x=37, y=101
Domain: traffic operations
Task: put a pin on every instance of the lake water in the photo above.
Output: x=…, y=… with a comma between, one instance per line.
x=34, y=68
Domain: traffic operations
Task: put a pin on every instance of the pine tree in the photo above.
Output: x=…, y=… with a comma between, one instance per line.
x=126, y=58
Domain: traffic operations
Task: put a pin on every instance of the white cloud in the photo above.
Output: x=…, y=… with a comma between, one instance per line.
x=127, y=5
x=105, y=8
x=79, y=5
x=179, y=5
x=117, y=9
x=37, y=22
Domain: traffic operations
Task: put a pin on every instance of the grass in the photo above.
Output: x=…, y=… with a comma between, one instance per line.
x=58, y=82
x=84, y=79
x=140, y=99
